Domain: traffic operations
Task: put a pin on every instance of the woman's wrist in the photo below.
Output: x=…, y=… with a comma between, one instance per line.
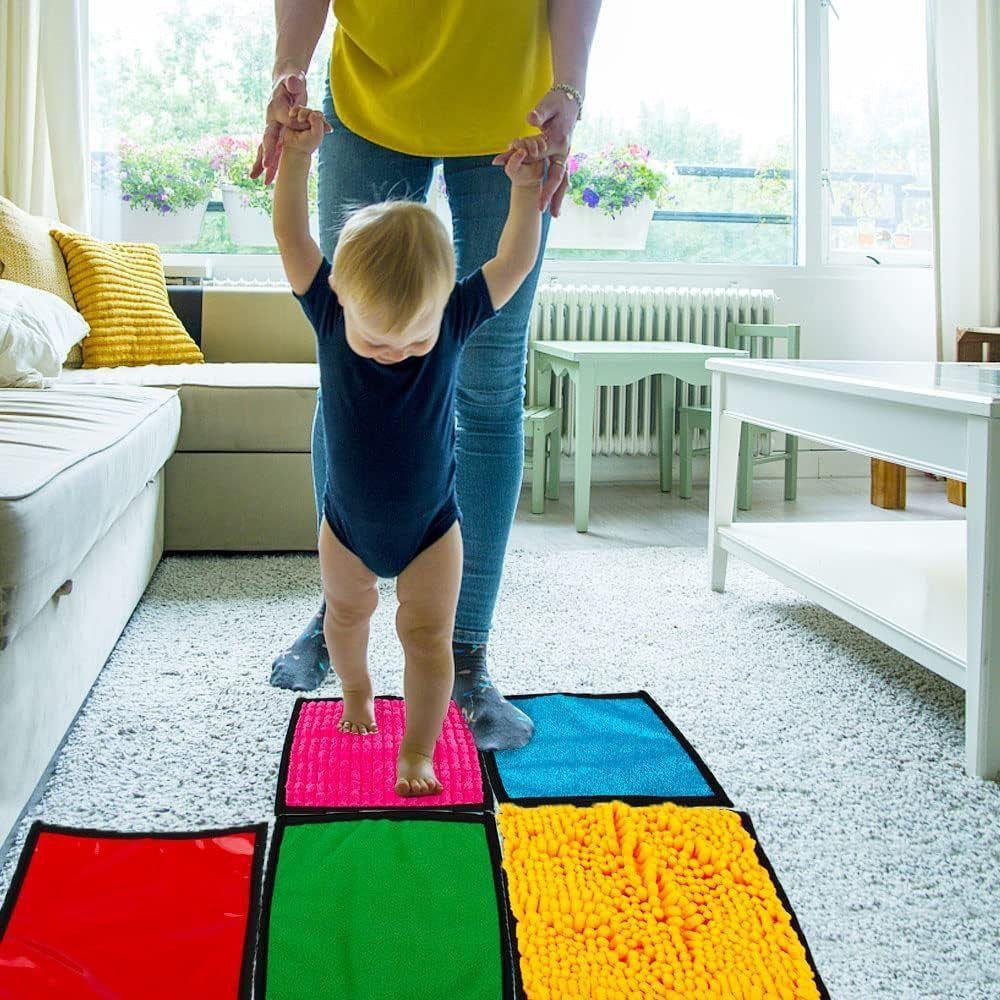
x=286, y=67
x=571, y=93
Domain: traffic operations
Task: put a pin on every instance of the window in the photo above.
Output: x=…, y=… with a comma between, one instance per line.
x=877, y=174
x=688, y=151
x=709, y=89
x=176, y=106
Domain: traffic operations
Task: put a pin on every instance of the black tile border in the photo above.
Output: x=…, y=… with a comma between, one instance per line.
x=281, y=807
x=259, y=830
x=765, y=863
x=717, y=798
x=510, y=972
x=747, y=824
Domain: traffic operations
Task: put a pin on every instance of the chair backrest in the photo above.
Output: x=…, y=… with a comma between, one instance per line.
x=759, y=338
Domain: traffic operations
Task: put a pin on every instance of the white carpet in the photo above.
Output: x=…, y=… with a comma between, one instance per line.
x=846, y=755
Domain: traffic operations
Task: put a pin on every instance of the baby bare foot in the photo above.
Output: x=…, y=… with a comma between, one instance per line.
x=415, y=774
x=359, y=711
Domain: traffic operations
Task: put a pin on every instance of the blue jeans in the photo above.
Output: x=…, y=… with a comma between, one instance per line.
x=490, y=402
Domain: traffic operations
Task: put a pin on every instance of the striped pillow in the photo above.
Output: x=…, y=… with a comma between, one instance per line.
x=120, y=290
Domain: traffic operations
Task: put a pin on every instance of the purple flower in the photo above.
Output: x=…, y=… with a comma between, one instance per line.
x=626, y=201
x=164, y=208
x=126, y=197
x=590, y=197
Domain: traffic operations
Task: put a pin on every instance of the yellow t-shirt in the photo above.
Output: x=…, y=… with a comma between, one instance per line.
x=440, y=77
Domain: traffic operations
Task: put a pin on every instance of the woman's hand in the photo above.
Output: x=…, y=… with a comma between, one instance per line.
x=555, y=115
x=288, y=93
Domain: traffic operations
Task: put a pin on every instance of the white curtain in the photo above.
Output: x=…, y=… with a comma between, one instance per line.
x=43, y=104
x=963, y=43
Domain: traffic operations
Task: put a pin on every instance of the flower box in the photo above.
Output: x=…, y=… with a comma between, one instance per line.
x=249, y=226
x=181, y=225
x=583, y=228
x=610, y=199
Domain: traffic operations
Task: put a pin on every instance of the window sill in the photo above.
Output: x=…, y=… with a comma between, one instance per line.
x=266, y=269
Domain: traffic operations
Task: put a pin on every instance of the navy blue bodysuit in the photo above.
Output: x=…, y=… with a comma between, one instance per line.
x=390, y=430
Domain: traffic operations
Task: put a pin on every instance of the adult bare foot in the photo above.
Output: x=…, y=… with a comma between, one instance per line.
x=415, y=774
x=359, y=711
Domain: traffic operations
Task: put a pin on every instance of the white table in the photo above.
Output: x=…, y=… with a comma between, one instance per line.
x=930, y=589
x=593, y=363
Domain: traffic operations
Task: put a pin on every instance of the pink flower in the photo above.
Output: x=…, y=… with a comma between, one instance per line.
x=573, y=163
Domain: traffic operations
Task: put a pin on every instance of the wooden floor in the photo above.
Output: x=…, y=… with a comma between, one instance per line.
x=626, y=515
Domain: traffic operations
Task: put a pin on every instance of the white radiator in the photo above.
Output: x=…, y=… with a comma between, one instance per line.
x=624, y=419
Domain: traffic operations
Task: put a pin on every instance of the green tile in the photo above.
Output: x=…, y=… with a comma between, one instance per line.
x=384, y=908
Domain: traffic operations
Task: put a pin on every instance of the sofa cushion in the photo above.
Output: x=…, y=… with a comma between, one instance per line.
x=229, y=407
x=37, y=331
x=29, y=255
x=121, y=292
x=72, y=458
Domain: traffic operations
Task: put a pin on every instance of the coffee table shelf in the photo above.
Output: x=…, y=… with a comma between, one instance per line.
x=930, y=589
x=903, y=583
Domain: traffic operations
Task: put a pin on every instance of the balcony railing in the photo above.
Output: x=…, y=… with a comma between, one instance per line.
x=902, y=187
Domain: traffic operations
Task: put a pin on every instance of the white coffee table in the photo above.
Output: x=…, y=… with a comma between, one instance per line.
x=930, y=589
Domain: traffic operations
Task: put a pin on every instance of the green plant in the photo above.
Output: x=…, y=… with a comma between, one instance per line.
x=232, y=158
x=616, y=178
x=772, y=181
x=164, y=177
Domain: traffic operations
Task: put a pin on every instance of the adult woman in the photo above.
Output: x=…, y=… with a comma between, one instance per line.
x=413, y=83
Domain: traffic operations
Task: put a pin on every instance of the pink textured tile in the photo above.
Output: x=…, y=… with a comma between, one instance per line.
x=325, y=769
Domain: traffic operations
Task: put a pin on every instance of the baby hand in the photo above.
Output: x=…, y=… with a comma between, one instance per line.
x=305, y=130
x=524, y=161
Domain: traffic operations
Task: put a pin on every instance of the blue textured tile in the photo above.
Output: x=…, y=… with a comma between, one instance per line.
x=613, y=746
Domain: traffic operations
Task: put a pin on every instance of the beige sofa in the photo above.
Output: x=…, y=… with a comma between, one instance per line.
x=103, y=472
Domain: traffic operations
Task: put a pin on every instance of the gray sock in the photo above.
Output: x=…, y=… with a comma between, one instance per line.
x=495, y=723
x=304, y=664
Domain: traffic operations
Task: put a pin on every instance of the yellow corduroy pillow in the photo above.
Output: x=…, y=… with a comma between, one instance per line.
x=120, y=290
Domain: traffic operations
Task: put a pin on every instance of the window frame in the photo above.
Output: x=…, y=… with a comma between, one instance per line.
x=811, y=221
x=846, y=258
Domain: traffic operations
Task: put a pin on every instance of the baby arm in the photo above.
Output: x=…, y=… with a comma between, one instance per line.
x=300, y=256
x=518, y=247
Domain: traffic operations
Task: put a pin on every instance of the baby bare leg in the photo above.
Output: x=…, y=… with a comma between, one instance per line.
x=351, y=598
x=428, y=594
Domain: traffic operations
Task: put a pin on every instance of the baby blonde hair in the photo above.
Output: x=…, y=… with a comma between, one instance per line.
x=396, y=257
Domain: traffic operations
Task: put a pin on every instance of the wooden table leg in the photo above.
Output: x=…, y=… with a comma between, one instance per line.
x=888, y=485
x=667, y=390
x=584, y=431
x=956, y=492
x=982, y=672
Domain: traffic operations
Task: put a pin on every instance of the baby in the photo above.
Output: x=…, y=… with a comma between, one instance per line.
x=390, y=322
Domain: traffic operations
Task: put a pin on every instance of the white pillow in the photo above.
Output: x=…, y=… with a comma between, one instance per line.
x=37, y=330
